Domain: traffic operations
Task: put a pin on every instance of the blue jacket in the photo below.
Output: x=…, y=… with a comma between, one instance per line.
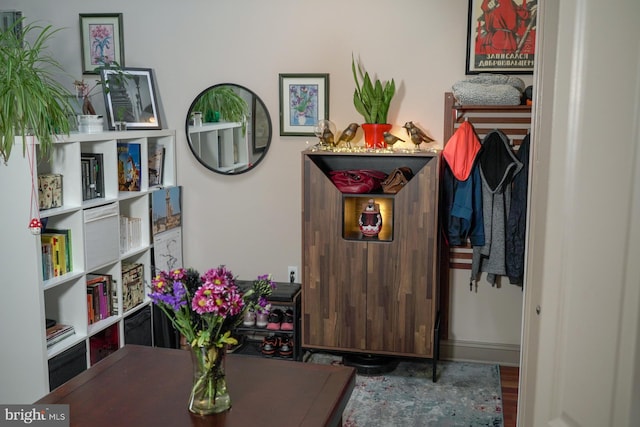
x=462, y=216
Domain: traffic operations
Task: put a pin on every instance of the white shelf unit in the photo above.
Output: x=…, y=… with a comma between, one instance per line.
x=28, y=299
x=223, y=145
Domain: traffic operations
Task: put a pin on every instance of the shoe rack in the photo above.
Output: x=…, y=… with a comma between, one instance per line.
x=286, y=296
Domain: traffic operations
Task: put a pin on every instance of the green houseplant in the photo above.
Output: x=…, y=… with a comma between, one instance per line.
x=224, y=101
x=32, y=102
x=372, y=101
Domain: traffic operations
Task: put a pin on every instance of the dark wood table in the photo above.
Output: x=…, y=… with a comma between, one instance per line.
x=145, y=386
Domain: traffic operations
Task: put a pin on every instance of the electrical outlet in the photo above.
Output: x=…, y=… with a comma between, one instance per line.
x=292, y=274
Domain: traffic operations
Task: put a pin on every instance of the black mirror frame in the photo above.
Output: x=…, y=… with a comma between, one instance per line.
x=254, y=105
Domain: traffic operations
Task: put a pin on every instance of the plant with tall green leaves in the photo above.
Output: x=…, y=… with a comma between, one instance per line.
x=118, y=77
x=223, y=99
x=32, y=102
x=371, y=99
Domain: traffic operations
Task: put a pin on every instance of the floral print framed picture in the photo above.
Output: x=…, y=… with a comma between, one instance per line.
x=101, y=40
x=304, y=101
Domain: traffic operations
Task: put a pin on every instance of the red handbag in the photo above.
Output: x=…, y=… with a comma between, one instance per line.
x=357, y=181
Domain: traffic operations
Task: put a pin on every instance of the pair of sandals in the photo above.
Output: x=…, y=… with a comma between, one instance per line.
x=280, y=321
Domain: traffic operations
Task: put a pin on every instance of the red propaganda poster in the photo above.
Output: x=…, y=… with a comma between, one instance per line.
x=501, y=36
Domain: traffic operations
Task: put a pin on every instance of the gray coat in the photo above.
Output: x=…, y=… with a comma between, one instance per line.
x=498, y=166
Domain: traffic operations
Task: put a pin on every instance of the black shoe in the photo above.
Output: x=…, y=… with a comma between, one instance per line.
x=286, y=347
x=275, y=319
x=269, y=345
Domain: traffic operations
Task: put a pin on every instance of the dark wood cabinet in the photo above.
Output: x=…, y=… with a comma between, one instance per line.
x=370, y=295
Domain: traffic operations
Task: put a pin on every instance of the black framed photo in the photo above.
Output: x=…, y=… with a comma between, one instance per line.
x=261, y=132
x=304, y=100
x=101, y=39
x=501, y=36
x=130, y=97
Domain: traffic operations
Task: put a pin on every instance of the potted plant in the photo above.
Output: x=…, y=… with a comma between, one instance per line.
x=222, y=103
x=372, y=100
x=31, y=101
x=83, y=91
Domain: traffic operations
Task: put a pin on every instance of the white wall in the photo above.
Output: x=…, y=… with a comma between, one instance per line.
x=252, y=222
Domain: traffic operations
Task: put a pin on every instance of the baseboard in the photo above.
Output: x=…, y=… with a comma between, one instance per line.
x=471, y=351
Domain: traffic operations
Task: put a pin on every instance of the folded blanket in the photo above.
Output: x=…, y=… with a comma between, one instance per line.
x=489, y=89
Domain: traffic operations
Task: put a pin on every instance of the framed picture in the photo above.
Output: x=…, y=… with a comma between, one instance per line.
x=130, y=98
x=261, y=132
x=101, y=40
x=501, y=36
x=304, y=100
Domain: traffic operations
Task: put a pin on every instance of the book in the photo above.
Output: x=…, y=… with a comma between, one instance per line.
x=92, y=175
x=130, y=233
x=58, y=251
x=67, y=246
x=156, y=163
x=47, y=261
x=129, y=166
x=85, y=167
x=99, y=297
x=58, y=332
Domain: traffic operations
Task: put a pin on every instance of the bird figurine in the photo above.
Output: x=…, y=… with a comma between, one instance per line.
x=417, y=135
x=348, y=134
x=327, y=138
x=391, y=139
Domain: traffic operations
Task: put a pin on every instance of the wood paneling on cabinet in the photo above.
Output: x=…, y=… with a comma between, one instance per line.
x=367, y=295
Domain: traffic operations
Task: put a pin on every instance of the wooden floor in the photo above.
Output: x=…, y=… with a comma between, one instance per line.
x=509, y=380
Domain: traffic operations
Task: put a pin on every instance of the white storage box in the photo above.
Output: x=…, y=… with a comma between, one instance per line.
x=102, y=241
x=90, y=124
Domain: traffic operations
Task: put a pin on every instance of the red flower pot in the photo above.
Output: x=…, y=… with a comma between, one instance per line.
x=373, y=134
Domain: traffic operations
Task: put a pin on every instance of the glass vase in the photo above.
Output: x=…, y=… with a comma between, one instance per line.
x=209, y=394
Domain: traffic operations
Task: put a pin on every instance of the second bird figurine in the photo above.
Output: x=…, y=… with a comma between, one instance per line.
x=348, y=134
x=391, y=139
x=416, y=134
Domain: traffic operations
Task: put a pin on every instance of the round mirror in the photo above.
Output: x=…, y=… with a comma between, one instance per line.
x=228, y=128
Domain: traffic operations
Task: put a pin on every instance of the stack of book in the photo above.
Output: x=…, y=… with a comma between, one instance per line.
x=56, y=253
x=130, y=233
x=58, y=332
x=92, y=176
x=102, y=297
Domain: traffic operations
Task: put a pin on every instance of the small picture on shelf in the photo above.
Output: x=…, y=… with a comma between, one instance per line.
x=167, y=250
x=129, y=178
x=166, y=212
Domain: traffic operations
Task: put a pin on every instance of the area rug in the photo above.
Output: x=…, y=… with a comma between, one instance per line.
x=465, y=394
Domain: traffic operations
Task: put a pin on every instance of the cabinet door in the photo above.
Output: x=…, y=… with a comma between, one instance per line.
x=401, y=280
x=334, y=297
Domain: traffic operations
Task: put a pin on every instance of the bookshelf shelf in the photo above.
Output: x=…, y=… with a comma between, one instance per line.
x=91, y=231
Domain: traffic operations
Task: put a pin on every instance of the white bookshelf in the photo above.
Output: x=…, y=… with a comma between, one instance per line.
x=223, y=145
x=27, y=300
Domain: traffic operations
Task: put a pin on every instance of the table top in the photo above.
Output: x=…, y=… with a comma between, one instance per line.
x=147, y=386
